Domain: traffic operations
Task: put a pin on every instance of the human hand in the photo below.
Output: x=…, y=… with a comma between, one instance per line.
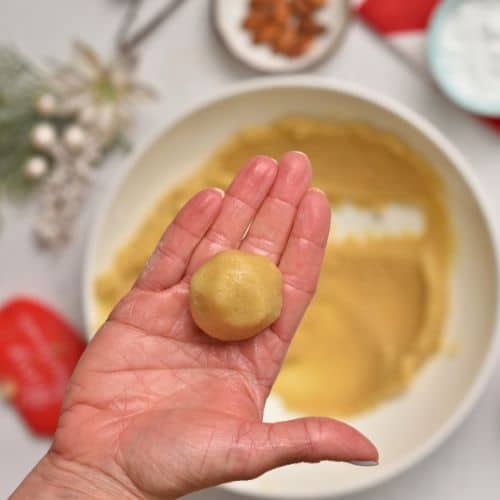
x=156, y=408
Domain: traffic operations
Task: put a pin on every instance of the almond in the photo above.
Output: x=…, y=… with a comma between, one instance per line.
x=255, y=20
x=267, y=33
x=308, y=26
x=287, y=40
x=281, y=12
x=301, y=45
x=301, y=7
x=316, y=4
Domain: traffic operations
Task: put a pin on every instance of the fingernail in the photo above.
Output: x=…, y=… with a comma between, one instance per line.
x=317, y=190
x=301, y=153
x=259, y=158
x=264, y=170
x=219, y=190
x=363, y=463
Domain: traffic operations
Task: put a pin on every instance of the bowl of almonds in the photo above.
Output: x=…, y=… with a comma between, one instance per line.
x=280, y=36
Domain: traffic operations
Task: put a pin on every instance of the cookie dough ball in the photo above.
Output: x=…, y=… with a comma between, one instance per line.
x=235, y=295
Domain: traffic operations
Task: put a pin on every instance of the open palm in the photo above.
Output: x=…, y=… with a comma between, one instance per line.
x=159, y=408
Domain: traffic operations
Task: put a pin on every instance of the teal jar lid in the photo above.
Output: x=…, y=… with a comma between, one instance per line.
x=463, y=51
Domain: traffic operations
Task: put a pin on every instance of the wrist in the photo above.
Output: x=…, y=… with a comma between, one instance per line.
x=55, y=478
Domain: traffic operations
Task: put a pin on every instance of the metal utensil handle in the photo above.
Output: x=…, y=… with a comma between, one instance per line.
x=128, y=45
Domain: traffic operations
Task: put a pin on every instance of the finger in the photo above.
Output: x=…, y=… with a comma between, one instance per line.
x=242, y=200
x=169, y=260
x=301, y=262
x=309, y=439
x=271, y=226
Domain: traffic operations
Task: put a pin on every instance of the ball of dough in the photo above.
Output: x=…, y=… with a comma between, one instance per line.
x=235, y=295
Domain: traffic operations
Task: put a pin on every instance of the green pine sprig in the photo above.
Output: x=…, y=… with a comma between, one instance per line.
x=20, y=85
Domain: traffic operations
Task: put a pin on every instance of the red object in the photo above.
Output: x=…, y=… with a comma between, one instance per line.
x=38, y=352
x=494, y=122
x=391, y=16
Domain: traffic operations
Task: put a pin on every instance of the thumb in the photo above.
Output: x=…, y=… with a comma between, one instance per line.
x=309, y=439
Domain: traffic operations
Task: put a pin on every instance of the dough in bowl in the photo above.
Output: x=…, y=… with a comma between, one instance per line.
x=235, y=295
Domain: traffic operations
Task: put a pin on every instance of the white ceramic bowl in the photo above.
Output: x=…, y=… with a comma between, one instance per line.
x=227, y=18
x=409, y=427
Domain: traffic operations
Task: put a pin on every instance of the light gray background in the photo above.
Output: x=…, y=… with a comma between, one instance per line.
x=185, y=61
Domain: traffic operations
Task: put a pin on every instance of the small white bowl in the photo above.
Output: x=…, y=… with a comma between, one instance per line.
x=409, y=427
x=472, y=98
x=227, y=19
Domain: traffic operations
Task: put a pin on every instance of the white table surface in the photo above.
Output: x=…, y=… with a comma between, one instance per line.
x=184, y=61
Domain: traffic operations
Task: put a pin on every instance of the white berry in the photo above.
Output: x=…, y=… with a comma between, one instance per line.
x=36, y=167
x=46, y=104
x=43, y=136
x=74, y=138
